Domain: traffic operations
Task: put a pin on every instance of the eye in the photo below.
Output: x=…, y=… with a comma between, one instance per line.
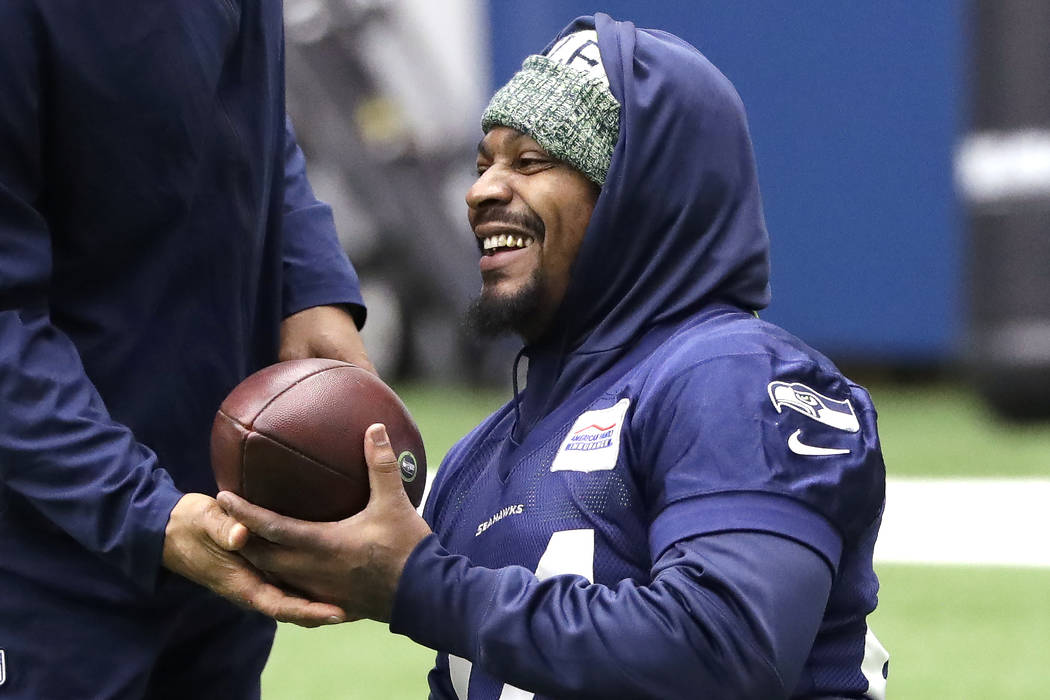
x=533, y=162
x=807, y=398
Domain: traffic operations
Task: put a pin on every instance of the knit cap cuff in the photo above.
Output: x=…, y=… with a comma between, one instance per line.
x=570, y=113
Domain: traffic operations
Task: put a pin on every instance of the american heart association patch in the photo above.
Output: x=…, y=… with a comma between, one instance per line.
x=593, y=442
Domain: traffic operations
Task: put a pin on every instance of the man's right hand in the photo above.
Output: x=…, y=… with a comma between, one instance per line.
x=201, y=543
x=354, y=563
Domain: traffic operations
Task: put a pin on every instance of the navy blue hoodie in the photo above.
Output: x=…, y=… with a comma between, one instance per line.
x=683, y=500
x=155, y=227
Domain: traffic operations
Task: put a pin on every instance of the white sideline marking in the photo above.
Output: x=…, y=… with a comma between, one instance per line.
x=990, y=522
x=980, y=522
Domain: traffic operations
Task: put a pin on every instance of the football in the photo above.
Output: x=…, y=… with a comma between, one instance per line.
x=290, y=438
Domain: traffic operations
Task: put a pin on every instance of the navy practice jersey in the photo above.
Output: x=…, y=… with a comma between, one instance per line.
x=725, y=424
x=684, y=499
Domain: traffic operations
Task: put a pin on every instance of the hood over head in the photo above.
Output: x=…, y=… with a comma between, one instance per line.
x=678, y=225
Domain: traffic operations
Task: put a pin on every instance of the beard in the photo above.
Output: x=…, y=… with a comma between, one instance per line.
x=491, y=316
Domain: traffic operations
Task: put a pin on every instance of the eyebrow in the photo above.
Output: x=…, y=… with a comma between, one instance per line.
x=483, y=149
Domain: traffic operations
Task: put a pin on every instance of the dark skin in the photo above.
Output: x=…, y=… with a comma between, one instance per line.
x=201, y=540
x=355, y=563
x=323, y=331
x=519, y=182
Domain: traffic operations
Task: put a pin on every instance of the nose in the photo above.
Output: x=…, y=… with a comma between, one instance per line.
x=491, y=188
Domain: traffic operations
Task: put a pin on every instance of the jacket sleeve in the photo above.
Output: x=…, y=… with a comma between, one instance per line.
x=730, y=615
x=59, y=449
x=316, y=269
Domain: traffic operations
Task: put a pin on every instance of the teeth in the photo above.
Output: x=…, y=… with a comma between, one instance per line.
x=505, y=241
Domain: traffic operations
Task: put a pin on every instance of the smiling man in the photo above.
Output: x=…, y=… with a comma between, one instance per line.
x=525, y=263
x=683, y=501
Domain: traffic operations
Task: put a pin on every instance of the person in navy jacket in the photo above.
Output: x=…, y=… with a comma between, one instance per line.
x=683, y=500
x=159, y=241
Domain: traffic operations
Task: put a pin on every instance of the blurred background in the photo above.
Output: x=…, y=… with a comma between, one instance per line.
x=904, y=154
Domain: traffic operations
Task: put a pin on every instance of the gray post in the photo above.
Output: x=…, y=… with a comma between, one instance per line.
x=1003, y=170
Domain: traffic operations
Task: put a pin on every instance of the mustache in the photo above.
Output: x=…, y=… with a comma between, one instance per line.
x=528, y=220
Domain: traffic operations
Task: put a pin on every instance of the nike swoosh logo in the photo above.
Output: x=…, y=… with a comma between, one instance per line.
x=801, y=448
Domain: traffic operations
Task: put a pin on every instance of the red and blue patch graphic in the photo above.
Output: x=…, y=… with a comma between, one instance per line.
x=593, y=441
x=591, y=437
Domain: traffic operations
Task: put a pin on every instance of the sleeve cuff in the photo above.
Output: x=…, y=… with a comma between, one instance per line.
x=441, y=599
x=147, y=552
x=316, y=269
x=749, y=511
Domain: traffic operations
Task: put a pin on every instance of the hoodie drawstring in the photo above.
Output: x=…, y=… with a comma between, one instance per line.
x=514, y=379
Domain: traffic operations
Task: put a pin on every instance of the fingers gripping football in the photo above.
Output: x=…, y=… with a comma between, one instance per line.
x=384, y=472
x=200, y=543
x=353, y=563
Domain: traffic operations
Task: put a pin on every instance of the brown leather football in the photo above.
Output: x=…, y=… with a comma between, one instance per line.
x=291, y=438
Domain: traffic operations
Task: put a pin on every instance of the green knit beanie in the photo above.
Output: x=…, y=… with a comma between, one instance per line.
x=562, y=100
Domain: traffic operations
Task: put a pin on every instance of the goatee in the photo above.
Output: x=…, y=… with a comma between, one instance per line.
x=492, y=316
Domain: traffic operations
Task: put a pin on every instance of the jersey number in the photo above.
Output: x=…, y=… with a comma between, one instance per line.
x=567, y=552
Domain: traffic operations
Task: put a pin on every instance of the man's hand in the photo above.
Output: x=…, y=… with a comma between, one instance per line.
x=354, y=563
x=200, y=543
x=323, y=331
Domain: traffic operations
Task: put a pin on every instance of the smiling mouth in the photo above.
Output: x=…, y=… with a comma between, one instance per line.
x=495, y=244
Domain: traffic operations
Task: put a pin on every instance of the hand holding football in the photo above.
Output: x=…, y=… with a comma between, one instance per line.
x=290, y=438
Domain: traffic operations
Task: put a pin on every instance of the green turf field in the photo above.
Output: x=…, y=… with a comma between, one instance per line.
x=943, y=431
x=952, y=632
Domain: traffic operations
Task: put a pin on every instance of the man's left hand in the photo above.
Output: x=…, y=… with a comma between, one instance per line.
x=323, y=331
x=354, y=563
x=200, y=543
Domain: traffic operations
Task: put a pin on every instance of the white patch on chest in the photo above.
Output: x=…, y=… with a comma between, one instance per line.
x=593, y=442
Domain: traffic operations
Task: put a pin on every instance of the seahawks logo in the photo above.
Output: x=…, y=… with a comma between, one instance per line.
x=406, y=461
x=813, y=404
